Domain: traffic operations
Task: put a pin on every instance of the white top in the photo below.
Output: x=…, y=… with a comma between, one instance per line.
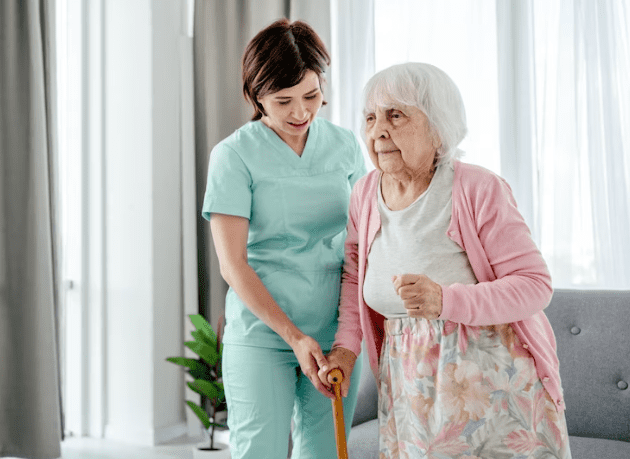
x=414, y=241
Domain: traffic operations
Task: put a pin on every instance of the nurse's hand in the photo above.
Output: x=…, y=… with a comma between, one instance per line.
x=311, y=359
x=341, y=358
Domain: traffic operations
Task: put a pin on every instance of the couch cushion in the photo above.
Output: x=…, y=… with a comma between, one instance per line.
x=598, y=448
x=363, y=441
x=367, y=402
x=363, y=444
x=592, y=333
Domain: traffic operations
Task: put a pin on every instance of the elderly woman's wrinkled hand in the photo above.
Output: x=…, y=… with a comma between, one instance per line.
x=421, y=296
x=341, y=358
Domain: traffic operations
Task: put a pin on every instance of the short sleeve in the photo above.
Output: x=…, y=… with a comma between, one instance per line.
x=229, y=185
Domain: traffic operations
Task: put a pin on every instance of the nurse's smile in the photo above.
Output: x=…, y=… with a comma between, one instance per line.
x=300, y=125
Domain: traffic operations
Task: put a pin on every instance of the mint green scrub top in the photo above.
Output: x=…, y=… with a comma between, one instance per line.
x=298, y=210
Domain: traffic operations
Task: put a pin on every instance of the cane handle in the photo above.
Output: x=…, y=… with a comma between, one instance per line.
x=335, y=377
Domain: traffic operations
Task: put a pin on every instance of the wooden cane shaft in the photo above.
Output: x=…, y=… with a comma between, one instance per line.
x=335, y=377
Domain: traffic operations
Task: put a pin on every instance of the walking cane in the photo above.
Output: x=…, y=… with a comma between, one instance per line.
x=335, y=377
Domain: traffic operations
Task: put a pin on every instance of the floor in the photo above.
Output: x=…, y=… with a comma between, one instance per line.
x=91, y=448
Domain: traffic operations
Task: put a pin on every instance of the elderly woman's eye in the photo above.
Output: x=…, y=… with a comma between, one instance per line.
x=369, y=118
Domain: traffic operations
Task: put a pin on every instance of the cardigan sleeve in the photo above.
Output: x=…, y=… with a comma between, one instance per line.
x=514, y=282
x=349, y=334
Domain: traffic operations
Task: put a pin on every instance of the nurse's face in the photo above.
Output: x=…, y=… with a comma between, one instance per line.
x=290, y=111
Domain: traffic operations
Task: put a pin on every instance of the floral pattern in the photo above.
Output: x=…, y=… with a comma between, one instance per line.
x=437, y=401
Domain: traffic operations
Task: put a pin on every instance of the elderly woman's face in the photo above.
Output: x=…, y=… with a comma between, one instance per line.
x=400, y=140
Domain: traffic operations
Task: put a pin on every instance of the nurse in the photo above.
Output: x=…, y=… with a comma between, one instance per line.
x=277, y=199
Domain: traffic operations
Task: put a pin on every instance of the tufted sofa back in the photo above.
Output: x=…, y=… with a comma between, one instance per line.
x=592, y=331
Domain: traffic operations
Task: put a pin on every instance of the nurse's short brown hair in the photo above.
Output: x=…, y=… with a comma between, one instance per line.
x=278, y=57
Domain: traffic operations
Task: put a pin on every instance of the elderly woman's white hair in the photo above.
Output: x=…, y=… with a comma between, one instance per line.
x=427, y=88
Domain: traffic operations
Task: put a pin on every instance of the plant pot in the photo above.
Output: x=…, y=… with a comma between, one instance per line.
x=221, y=451
x=221, y=445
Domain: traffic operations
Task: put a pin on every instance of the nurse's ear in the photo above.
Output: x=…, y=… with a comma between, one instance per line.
x=260, y=108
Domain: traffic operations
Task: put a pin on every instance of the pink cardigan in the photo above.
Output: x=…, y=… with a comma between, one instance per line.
x=514, y=283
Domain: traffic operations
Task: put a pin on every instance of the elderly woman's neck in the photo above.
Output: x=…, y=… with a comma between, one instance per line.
x=401, y=189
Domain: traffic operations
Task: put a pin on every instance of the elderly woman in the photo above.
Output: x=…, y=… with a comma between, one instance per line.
x=444, y=282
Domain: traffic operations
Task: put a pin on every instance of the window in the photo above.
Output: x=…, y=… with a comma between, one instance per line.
x=69, y=106
x=461, y=39
x=582, y=140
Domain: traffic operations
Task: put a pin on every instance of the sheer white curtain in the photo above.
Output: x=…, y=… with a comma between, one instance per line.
x=545, y=85
x=461, y=39
x=581, y=58
x=352, y=59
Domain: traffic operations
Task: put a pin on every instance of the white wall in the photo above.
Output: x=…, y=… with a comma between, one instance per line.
x=142, y=221
x=167, y=218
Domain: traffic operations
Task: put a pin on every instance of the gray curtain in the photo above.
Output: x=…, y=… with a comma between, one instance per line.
x=222, y=30
x=30, y=400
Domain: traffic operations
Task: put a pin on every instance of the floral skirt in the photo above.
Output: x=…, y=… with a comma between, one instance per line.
x=438, y=402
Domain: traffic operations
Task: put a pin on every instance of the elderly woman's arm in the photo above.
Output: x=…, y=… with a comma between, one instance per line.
x=514, y=282
x=348, y=338
x=349, y=334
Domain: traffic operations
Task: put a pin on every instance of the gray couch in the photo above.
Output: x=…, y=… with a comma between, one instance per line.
x=593, y=335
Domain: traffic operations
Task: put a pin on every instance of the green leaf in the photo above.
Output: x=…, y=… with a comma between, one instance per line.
x=202, y=338
x=184, y=362
x=193, y=387
x=201, y=413
x=204, y=351
x=202, y=372
x=202, y=324
x=208, y=389
x=198, y=369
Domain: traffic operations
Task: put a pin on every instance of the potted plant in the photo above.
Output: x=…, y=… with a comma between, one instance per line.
x=207, y=379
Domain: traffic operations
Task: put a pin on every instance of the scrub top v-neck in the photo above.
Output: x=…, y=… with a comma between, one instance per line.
x=297, y=208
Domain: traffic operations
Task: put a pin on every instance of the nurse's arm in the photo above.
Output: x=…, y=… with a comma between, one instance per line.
x=229, y=233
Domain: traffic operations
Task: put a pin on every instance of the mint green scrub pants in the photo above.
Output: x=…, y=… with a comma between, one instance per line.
x=265, y=389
